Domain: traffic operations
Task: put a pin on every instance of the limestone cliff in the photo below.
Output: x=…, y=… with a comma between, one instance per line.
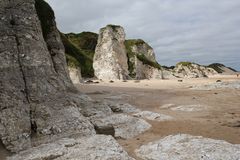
x=34, y=85
x=80, y=49
x=222, y=69
x=192, y=70
x=141, y=60
x=110, y=59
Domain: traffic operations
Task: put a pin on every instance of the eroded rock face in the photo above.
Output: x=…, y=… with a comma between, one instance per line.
x=141, y=60
x=75, y=74
x=192, y=70
x=125, y=126
x=182, y=147
x=97, y=147
x=110, y=59
x=34, y=82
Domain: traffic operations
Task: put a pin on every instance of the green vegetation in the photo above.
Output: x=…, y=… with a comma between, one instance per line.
x=145, y=60
x=78, y=58
x=114, y=27
x=84, y=41
x=187, y=64
x=167, y=67
x=46, y=16
x=217, y=67
x=131, y=55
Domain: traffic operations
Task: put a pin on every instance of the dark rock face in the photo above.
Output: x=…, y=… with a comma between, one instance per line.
x=34, y=84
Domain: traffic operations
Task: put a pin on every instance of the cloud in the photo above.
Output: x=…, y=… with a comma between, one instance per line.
x=203, y=31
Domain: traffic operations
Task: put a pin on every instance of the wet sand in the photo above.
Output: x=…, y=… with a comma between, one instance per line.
x=220, y=120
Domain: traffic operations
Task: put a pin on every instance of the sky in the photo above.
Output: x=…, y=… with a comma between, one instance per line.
x=200, y=31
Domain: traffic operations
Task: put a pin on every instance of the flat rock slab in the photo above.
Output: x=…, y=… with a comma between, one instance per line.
x=123, y=107
x=98, y=147
x=125, y=126
x=166, y=106
x=187, y=147
x=190, y=108
x=153, y=116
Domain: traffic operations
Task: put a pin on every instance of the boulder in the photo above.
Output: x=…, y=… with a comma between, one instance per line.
x=153, y=116
x=98, y=147
x=182, y=147
x=75, y=74
x=125, y=126
x=110, y=58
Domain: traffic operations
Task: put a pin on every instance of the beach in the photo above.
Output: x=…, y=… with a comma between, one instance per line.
x=211, y=113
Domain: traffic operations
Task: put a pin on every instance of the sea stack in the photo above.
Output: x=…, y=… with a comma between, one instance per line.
x=110, y=59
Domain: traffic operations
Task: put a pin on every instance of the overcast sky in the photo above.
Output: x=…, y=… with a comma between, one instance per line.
x=202, y=31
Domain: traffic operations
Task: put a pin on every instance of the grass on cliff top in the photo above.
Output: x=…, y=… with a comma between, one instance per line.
x=114, y=27
x=146, y=61
x=45, y=15
x=217, y=67
x=76, y=58
x=84, y=40
x=129, y=44
x=186, y=64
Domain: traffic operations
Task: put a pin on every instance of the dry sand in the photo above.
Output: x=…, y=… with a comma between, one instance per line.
x=220, y=118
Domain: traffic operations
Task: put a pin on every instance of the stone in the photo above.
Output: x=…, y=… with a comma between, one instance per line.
x=183, y=146
x=122, y=108
x=125, y=126
x=141, y=60
x=192, y=70
x=75, y=75
x=110, y=58
x=98, y=147
x=166, y=106
x=35, y=85
x=153, y=116
x=190, y=108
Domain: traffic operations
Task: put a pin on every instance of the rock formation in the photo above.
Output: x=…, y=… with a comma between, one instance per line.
x=98, y=147
x=182, y=147
x=141, y=60
x=35, y=85
x=110, y=59
x=80, y=49
x=192, y=70
x=75, y=74
x=187, y=70
x=222, y=69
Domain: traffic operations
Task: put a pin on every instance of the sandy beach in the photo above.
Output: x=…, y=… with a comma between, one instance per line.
x=213, y=113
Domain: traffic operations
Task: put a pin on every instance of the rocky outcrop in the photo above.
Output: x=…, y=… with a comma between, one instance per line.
x=97, y=147
x=141, y=60
x=153, y=116
x=35, y=86
x=187, y=70
x=192, y=70
x=222, y=69
x=110, y=59
x=80, y=49
x=125, y=126
x=182, y=147
x=75, y=74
